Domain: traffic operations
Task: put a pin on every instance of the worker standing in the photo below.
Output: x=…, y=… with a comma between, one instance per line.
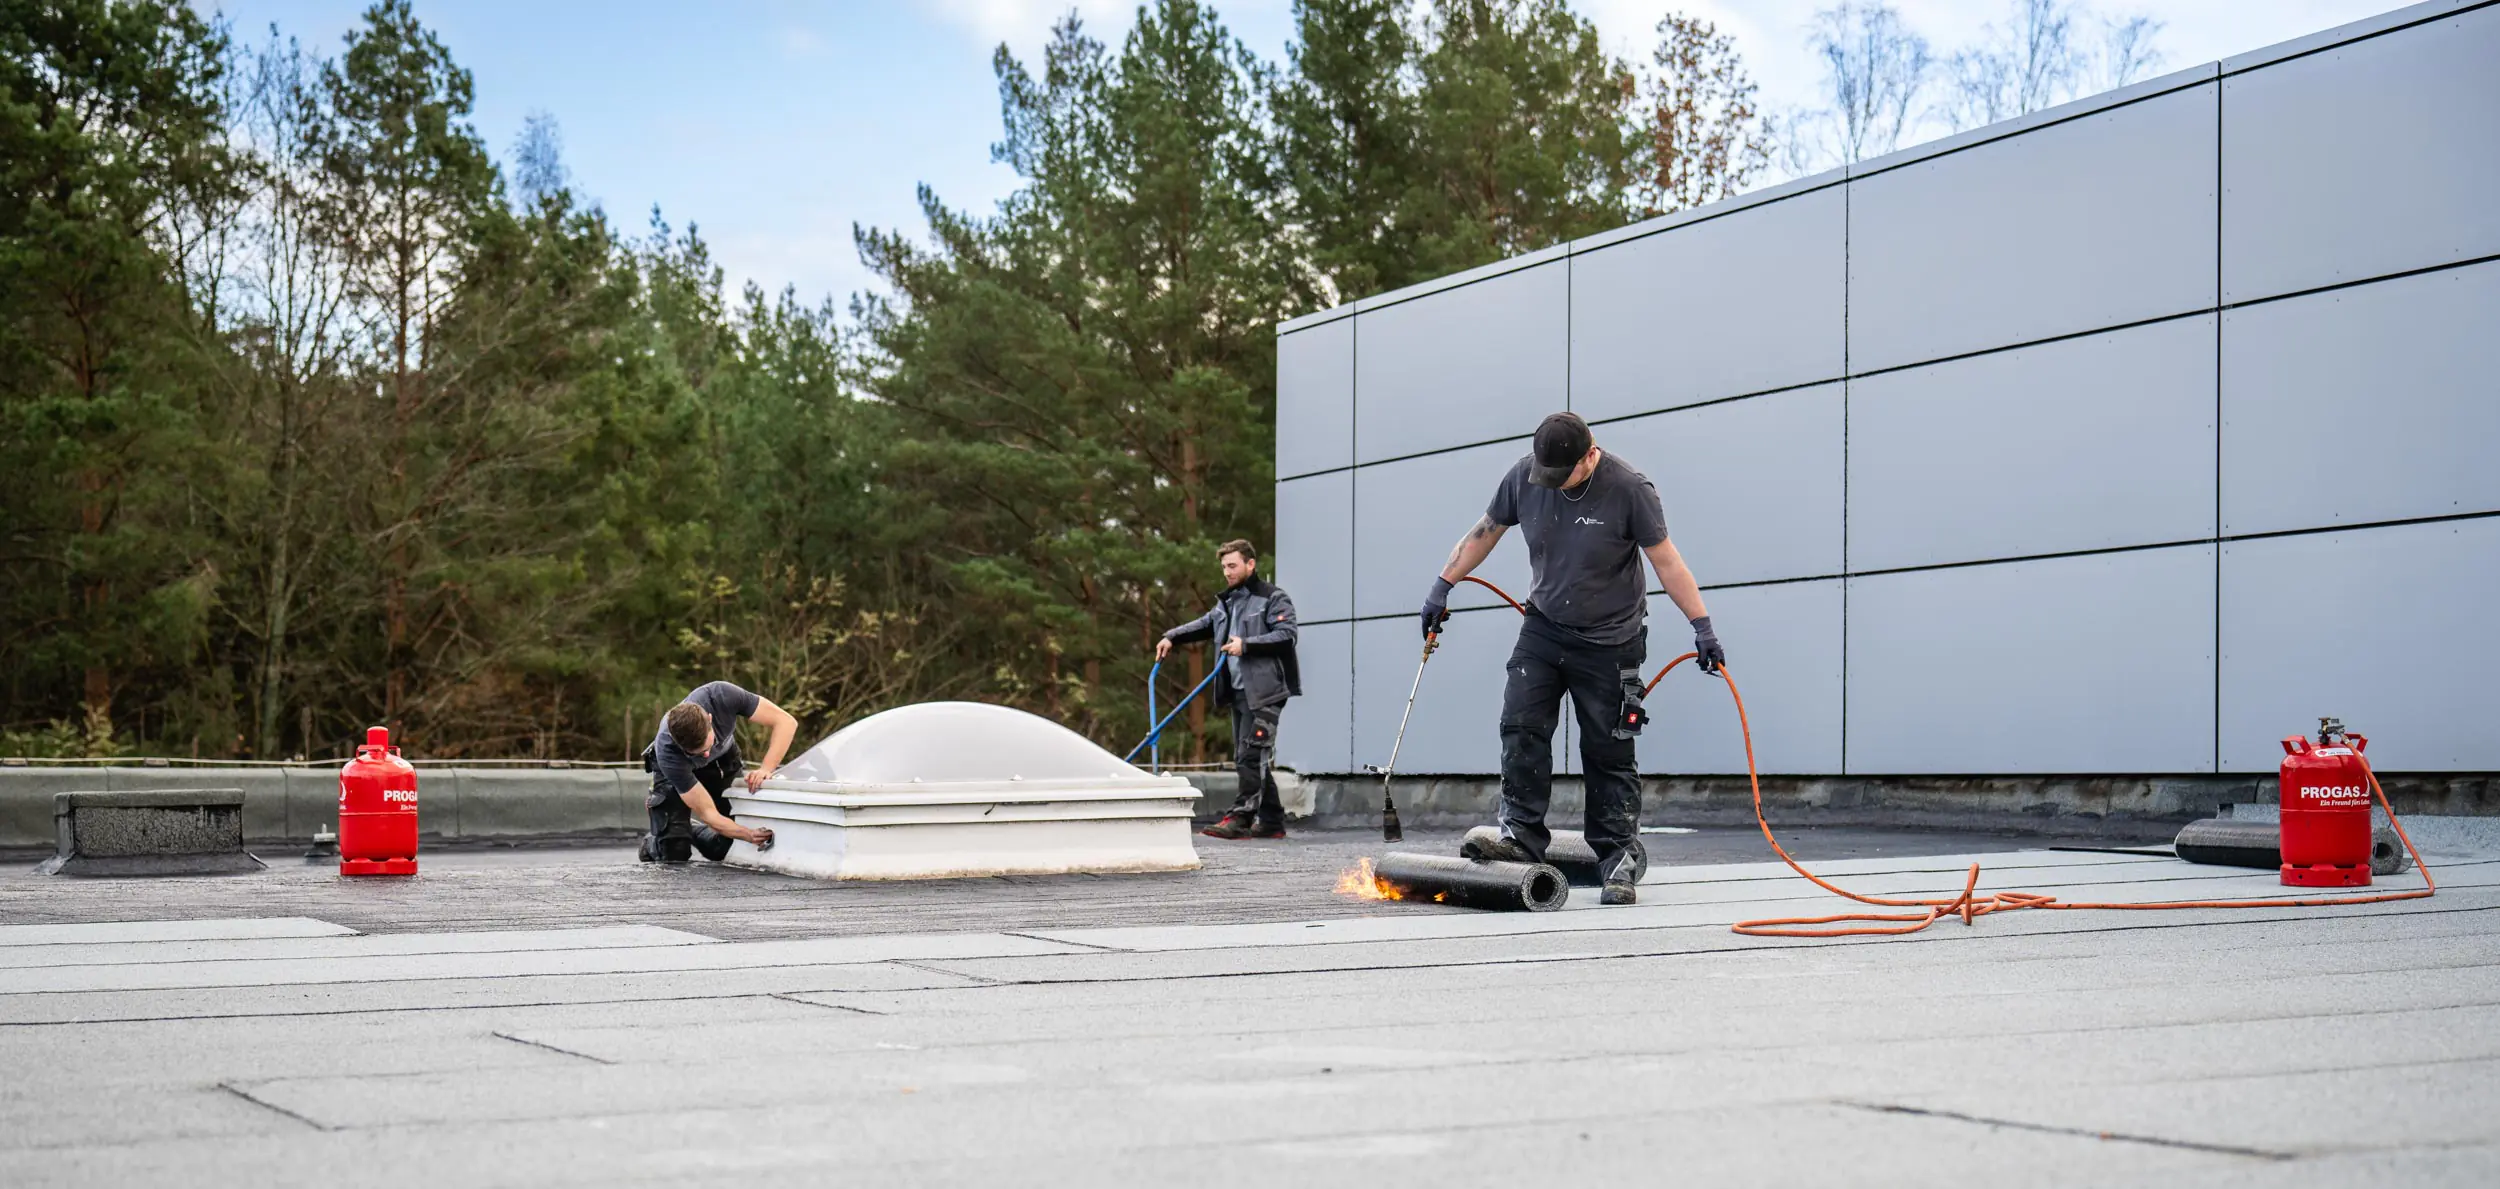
x=693, y=761
x=1255, y=620
x=1589, y=518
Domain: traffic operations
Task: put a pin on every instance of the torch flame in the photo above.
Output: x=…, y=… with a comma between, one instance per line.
x=1362, y=883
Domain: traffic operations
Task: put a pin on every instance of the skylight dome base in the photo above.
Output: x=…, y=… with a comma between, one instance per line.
x=955, y=789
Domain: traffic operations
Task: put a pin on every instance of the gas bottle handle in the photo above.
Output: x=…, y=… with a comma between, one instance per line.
x=2295, y=745
x=2359, y=743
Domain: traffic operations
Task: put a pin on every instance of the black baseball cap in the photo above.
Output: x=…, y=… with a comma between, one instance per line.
x=1562, y=440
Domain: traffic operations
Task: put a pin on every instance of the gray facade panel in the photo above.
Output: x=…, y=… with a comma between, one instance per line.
x=1413, y=511
x=1315, y=399
x=2376, y=402
x=1751, y=488
x=1316, y=732
x=1470, y=364
x=2369, y=158
x=1458, y=709
x=2100, y=663
x=2104, y=220
x=1314, y=547
x=1783, y=646
x=2390, y=629
x=1743, y=303
x=2090, y=443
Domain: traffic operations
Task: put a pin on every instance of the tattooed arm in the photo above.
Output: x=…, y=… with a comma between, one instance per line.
x=1473, y=548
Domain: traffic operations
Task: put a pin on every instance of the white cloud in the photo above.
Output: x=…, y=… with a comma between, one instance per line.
x=799, y=42
x=1024, y=25
x=1771, y=34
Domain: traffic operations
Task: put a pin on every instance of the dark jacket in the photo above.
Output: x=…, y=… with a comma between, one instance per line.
x=1261, y=613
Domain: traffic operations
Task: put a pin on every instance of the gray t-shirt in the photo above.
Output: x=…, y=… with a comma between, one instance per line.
x=726, y=704
x=1584, y=547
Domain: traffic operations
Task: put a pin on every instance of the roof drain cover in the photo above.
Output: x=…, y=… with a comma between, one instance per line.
x=948, y=789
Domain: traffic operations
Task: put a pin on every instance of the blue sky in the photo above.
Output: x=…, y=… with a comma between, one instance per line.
x=774, y=125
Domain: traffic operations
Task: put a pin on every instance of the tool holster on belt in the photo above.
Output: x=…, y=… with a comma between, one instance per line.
x=1632, y=716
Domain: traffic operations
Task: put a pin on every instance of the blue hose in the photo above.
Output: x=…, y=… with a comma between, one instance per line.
x=1154, y=736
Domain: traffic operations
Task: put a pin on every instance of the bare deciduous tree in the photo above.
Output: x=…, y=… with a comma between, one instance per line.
x=1707, y=138
x=1874, y=69
x=2046, y=53
x=2127, y=52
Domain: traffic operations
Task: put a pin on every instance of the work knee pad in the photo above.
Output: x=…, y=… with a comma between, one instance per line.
x=675, y=845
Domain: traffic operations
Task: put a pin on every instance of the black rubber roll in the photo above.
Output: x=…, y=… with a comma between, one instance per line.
x=1568, y=853
x=1474, y=883
x=2231, y=842
x=2226, y=842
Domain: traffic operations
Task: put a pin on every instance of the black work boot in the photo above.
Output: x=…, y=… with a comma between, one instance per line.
x=1501, y=848
x=645, y=852
x=1268, y=830
x=1619, y=888
x=1228, y=827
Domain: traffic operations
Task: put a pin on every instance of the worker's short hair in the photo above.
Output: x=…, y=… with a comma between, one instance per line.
x=687, y=723
x=1248, y=551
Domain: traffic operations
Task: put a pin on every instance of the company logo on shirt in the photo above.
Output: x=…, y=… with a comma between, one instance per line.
x=1587, y=520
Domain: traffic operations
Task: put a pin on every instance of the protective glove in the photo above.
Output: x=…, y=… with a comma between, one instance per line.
x=1706, y=644
x=1437, y=606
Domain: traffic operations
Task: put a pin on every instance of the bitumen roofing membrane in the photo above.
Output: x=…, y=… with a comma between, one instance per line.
x=543, y=1015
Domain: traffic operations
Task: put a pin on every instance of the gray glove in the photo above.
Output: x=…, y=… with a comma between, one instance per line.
x=1706, y=644
x=1437, y=606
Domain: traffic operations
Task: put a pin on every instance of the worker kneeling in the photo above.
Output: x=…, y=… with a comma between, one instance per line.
x=693, y=761
x=1589, y=518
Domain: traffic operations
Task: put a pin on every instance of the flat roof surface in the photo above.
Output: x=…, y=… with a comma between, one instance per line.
x=567, y=1015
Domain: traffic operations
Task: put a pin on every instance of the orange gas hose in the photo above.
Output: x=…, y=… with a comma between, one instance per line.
x=1971, y=904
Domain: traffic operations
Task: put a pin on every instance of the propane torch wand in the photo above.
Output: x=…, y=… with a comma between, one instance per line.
x=1390, y=830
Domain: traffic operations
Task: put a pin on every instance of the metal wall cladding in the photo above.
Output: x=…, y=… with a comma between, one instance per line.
x=1314, y=550
x=1316, y=733
x=2376, y=402
x=1746, y=302
x=1783, y=644
x=2099, y=663
x=2090, y=443
x=1315, y=398
x=1413, y=511
x=2370, y=158
x=1473, y=363
x=1751, y=488
x=2390, y=629
x=2100, y=221
x=1457, y=726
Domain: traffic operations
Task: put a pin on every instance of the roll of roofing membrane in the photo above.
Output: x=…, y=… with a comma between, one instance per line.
x=2227, y=842
x=1474, y=883
x=1568, y=853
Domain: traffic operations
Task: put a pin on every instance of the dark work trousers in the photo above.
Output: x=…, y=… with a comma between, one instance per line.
x=676, y=836
x=1549, y=662
x=1254, y=758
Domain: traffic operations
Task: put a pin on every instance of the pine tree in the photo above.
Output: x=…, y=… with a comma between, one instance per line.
x=109, y=118
x=1087, y=379
x=1422, y=146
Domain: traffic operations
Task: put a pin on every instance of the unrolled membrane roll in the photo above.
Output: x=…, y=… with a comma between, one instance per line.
x=1568, y=853
x=1474, y=883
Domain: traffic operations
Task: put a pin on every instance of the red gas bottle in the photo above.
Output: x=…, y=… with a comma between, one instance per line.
x=2326, y=809
x=377, y=810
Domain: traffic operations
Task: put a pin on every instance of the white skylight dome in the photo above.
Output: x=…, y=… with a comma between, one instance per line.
x=956, y=743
